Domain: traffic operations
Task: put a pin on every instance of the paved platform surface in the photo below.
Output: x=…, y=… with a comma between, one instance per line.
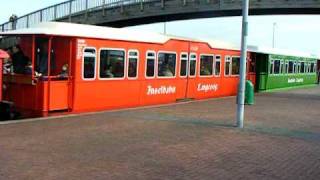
x=197, y=140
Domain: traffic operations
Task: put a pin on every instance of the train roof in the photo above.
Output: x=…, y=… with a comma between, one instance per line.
x=284, y=52
x=90, y=31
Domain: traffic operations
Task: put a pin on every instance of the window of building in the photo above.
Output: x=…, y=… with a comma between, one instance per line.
x=227, y=68
x=277, y=66
x=291, y=67
x=150, y=65
x=183, y=64
x=193, y=64
x=302, y=67
x=235, y=65
x=217, y=66
x=112, y=63
x=89, y=63
x=206, y=65
x=167, y=64
x=133, y=58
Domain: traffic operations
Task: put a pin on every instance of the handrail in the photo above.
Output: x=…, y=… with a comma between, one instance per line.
x=64, y=10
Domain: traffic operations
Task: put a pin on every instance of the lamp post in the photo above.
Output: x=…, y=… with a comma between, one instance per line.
x=273, y=34
x=244, y=37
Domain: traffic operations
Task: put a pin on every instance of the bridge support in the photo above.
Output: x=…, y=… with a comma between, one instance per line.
x=243, y=59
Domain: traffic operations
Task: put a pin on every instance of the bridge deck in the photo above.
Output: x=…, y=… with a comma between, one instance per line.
x=183, y=141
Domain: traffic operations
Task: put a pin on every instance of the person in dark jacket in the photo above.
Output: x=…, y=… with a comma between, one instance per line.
x=19, y=60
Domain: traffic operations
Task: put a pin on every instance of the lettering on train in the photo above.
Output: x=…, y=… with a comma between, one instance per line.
x=295, y=80
x=207, y=87
x=161, y=90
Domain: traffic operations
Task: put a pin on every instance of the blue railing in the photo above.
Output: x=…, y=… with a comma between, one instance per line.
x=65, y=10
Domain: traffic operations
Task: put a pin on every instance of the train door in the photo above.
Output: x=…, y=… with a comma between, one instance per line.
x=251, y=68
x=261, y=71
x=55, y=71
x=191, y=75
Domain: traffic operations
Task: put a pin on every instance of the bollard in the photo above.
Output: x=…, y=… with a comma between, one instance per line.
x=249, y=93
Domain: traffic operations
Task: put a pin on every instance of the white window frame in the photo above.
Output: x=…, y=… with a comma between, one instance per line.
x=154, y=64
x=228, y=59
x=187, y=61
x=189, y=64
x=128, y=62
x=199, y=73
x=175, y=71
x=95, y=64
x=125, y=62
x=234, y=75
x=214, y=65
x=280, y=66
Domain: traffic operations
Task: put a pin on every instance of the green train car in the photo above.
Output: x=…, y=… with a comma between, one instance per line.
x=276, y=70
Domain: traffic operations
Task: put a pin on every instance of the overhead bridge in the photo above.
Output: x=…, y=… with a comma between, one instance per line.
x=121, y=13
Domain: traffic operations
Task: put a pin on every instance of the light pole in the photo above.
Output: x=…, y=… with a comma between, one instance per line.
x=244, y=37
x=273, y=34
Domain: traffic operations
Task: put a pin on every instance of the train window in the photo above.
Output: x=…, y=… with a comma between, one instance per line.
x=227, y=68
x=193, y=64
x=298, y=67
x=206, y=65
x=235, y=65
x=217, y=66
x=167, y=64
x=281, y=67
x=276, y=69
x=302, y=67
x=133, y=56
x=286, y=68
x=291, y=67
x=183, y=64
x=312, y=69
x=89, y=63
x=151, y=57
x=112, y=63
x=271, y=67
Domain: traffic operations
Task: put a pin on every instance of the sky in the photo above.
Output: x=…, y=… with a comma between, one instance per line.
x=300, y=33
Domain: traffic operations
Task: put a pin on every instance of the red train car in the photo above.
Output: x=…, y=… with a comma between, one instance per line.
x=80, y=68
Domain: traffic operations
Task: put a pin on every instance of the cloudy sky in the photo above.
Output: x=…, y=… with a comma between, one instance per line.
x=291, y=32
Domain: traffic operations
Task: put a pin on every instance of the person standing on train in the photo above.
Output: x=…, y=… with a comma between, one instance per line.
x=42, y=59
x=19, y=60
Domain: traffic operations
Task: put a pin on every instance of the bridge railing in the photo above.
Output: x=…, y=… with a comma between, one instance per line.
x=64, y=10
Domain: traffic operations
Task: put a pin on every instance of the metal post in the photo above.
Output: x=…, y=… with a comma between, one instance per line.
x=165, y=27
x=55, y=13
x=104, y=8
x=70, y=10
x=86, y=9
x=41, y=16
x=273, y=33
x=241, y=90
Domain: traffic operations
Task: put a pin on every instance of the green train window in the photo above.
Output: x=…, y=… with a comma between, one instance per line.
x=312, y=68
x=298, y=67
x=286, y=68
x=291, y=67
x=277, y=67
x=271, y=66
x=235, y=65
x=302, y=67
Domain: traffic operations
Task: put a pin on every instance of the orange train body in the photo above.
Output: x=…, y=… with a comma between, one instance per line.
x=75, y=94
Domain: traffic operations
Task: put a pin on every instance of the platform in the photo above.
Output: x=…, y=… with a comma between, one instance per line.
x=189, y=140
